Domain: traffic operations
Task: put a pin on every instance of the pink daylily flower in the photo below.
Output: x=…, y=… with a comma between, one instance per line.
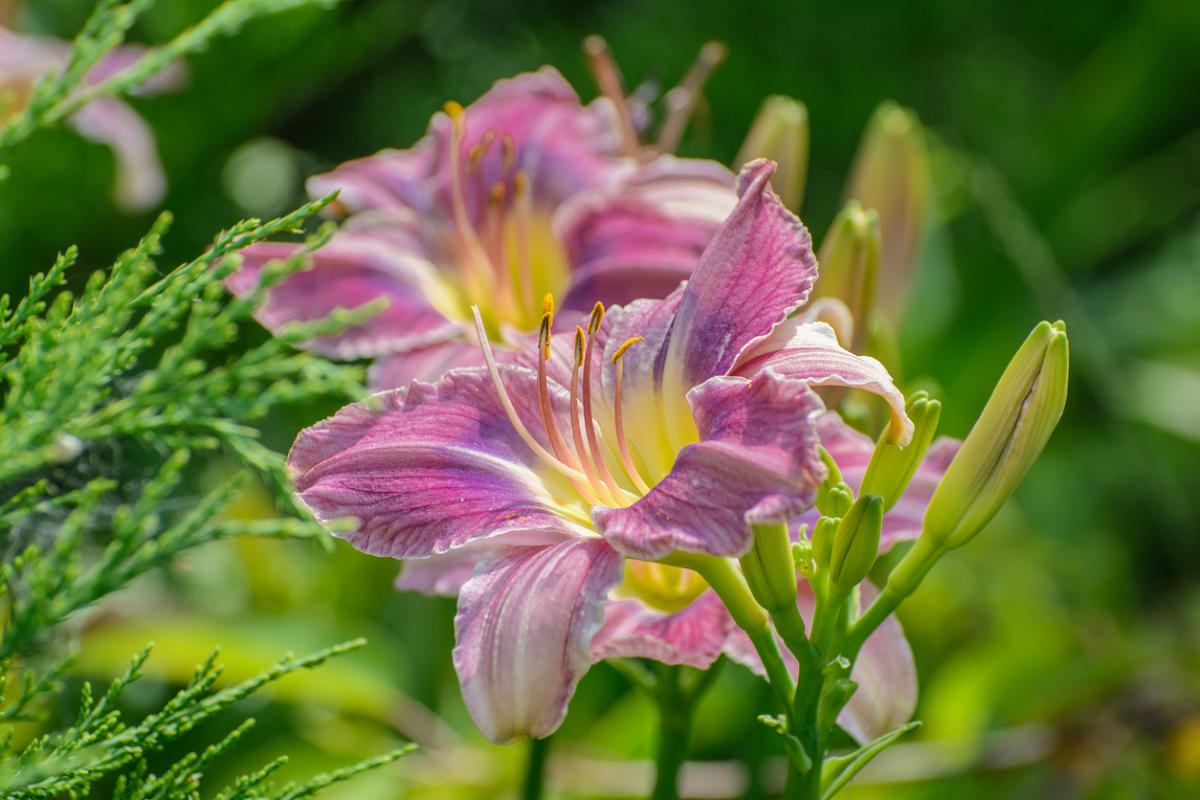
x=139, y=182
x=524, y=193
x=545, y=489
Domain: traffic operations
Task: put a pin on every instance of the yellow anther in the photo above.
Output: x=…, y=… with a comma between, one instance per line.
x=621, y=350
x=597, y=318
x=544, y=334
x=520, y=183
x=455, y=112
x=510, y=152
x=497, y=194
x=579, y=339
x=548, y=305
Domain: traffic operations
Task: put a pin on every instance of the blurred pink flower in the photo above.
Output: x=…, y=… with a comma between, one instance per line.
x=139, y=181
x=522, y=194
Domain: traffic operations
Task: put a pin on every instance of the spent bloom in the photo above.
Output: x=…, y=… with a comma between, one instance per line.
x=140, y=182
x=545, y=488
x=524, y=193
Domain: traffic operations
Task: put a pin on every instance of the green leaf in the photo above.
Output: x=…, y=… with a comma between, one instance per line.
x=840, y=770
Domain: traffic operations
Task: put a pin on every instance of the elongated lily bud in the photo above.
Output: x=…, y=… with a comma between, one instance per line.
x=856, y=544
x=769, y=568
x=780, y=133
x=1008, y=437
x=822, y=540
x=891, y=175
x=892, y=468
x=849, y=259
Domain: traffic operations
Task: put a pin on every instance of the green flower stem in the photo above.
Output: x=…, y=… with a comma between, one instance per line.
x=903, y=581
x=802, y=722
x=535, y=769
x=675, y=708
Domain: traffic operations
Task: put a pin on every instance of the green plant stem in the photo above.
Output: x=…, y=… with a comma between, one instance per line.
x=887, y=602
x=675, y=708
x=535, y=769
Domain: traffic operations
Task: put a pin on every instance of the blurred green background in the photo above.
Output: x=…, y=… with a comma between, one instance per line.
x=1059, y=654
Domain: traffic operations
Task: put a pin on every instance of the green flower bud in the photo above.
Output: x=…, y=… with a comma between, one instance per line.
x=780, y=133
x=856, y=544
x=822, y=540
x=1008, y=437
x=769, y=568
x=891, y=467
x=891, y=175
x=849, y=259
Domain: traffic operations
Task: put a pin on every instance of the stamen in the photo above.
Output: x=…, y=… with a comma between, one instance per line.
x=608, y=489
x=474, y=255
x=592, y=452
x=626, y=460
x=523, y=210
x=681, y=101
x=608, y=79
x=476, y=153
x=506, y=403
x=510, y=153
x=543, y=390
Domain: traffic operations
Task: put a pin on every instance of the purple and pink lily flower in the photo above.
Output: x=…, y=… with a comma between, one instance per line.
x=546, y=486
x=524, y=193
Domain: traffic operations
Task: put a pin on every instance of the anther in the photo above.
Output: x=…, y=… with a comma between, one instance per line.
x=544, y=334
x=628, y=342
x=455, y=112
x=510, y=152
x=597, y=318
x=548, y=305
x=579, y=339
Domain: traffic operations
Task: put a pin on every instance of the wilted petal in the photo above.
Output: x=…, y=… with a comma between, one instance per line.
x=140, y=182
x=694, y=636
x=756, y=460
x=884, y=671
x=355, y=267
x=757, y=270
x=524, y=627
x=429, y=469
x=810, y=352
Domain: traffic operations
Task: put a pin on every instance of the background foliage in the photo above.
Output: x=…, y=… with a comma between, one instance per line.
x=1058, y=654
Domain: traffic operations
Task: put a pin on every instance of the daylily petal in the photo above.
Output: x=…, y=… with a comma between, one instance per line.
x=644, y=236
x=396, y=370
x=562, y=146
x=355, y=267
x=524, y=626
x=884, y=671
x=758, y=269
x=694, y=636
x=852, y=450
x=430, y=468
x=810, y=352
x=444, y=574
x=756, y=460
x=389, y=181
x=140, y=181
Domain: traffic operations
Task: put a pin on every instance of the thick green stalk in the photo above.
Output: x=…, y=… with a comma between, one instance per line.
x=675, y=708
x=535, y=769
